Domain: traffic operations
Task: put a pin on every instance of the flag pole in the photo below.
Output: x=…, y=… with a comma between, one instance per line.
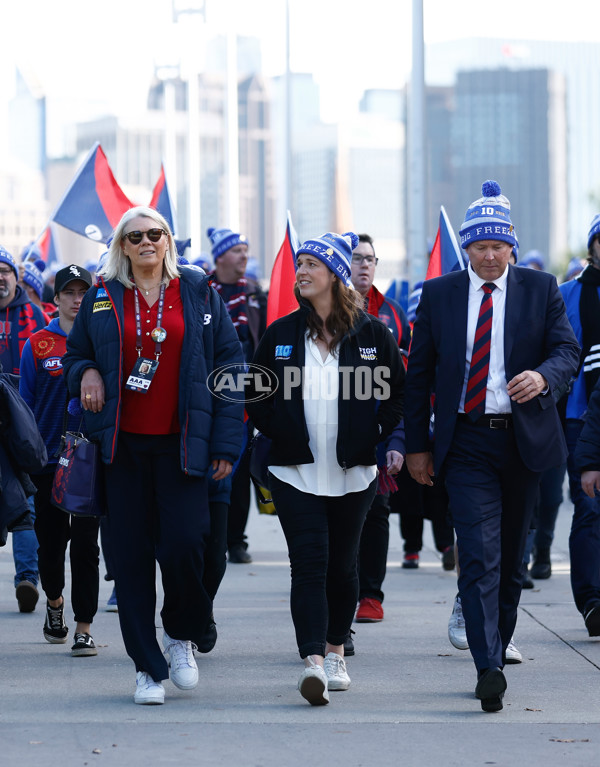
x=417, y=237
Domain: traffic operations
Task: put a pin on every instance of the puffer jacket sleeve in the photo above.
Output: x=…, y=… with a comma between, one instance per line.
x=227, y=424
x=80, y=351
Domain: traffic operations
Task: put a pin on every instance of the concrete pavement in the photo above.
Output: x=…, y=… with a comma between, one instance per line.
x=411, y=701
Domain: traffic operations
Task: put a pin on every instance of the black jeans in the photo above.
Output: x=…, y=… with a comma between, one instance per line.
x=54, y=529
x=323, y=535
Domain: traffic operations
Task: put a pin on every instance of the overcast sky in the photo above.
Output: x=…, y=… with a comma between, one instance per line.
x=95, y=57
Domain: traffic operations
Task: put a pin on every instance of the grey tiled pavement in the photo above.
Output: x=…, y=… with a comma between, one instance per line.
x=411, y=701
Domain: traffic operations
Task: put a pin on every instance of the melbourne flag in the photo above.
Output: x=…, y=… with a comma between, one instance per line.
x=162, y=200
x=281, y=299
x=445, y=254
x=94, y=202
x=48, y=246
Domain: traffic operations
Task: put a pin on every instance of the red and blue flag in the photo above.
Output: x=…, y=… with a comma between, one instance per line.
x=94, y=202
x=162, y=200
x=48, y=246
x=281, y=299
x=445, y=256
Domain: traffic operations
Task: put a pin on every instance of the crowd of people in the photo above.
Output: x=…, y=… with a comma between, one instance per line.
x=467, y=411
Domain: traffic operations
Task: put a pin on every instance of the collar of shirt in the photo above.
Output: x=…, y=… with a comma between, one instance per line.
x=478, y=283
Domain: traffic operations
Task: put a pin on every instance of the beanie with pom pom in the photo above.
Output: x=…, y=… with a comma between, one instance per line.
x=488, y=218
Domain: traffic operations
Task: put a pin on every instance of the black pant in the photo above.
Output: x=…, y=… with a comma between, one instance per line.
x=239, y=504
x=157, y=513
x=414, y=503
x=54, y=529
x=215, y=555
x=323, y=535
x=373, y=551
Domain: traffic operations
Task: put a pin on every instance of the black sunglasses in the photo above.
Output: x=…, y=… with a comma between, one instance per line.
x=136, y=236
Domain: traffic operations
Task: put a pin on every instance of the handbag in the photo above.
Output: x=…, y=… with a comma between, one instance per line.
x=77, y=487
x=260, y=448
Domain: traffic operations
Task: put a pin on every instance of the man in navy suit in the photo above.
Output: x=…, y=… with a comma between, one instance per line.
x=494, y=344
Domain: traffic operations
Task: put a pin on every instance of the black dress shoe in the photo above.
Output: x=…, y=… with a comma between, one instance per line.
x=349, y=645
x=592, y=620
x=527, y=582
x=490, y=689
x=209, y=639
x=238, y=555
x=541, y=570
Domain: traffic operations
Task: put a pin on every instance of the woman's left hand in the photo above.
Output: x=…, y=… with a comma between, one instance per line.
x=222, y=469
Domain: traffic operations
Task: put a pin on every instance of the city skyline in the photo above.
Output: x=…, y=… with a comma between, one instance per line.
x=88, y=63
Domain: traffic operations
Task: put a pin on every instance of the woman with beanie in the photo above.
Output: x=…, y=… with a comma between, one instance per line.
x=340, y=393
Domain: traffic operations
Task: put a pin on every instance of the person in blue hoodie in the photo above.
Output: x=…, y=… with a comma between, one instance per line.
x=43, y=388
x=582, y=299
x=18, y=320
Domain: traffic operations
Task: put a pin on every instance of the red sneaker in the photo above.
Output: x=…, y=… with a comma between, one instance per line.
x=411, y=561
x=369, y=611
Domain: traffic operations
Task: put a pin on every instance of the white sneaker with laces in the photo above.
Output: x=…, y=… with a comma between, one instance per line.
x=512, y=654
x=457, y=633
x=184, y=671
x=313, y=685
x=335, y=671
x=147, y=691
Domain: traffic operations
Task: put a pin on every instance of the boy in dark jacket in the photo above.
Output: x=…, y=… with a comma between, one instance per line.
x=43, y=388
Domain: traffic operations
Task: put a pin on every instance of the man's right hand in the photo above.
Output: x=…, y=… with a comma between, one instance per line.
x=590, y=482
x=420, y=466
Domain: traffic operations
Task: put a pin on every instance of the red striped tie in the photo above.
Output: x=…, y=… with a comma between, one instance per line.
x=480, y=359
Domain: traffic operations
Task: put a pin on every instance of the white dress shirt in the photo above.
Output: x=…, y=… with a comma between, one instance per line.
x=320, y=390
x=496, y=398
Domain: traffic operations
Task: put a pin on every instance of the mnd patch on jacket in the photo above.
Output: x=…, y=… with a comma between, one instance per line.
x=101, y=306
x=368, y=353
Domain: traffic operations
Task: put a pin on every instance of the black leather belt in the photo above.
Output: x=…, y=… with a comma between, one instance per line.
x=489, y=420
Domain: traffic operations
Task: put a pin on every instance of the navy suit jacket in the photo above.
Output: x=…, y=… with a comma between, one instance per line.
x=537, y=336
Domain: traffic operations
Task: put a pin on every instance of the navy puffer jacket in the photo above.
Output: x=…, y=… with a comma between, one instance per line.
x=211, y=428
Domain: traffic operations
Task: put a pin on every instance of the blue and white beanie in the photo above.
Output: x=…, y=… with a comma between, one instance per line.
x=8, y=258
x=224, y=239
x=335, y=251
x=32, y=275
x=574, y=267
x=594, y=230
x=413, y=301
x=532, y=259
x=488, y=218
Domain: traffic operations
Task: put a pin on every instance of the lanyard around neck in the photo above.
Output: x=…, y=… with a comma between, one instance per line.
x=158, y=334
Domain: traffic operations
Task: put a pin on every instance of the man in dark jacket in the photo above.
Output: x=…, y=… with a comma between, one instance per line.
x=247, y=307
x=19, y=320
x=375, y=535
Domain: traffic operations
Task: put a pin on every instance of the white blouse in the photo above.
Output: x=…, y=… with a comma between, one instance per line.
x=320, y=388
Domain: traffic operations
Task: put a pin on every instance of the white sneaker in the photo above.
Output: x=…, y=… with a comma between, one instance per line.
x=512, y=655
x=335, y=671
x=147, y=691
x=457, y=633
x=313, y=685
x=184, y=671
